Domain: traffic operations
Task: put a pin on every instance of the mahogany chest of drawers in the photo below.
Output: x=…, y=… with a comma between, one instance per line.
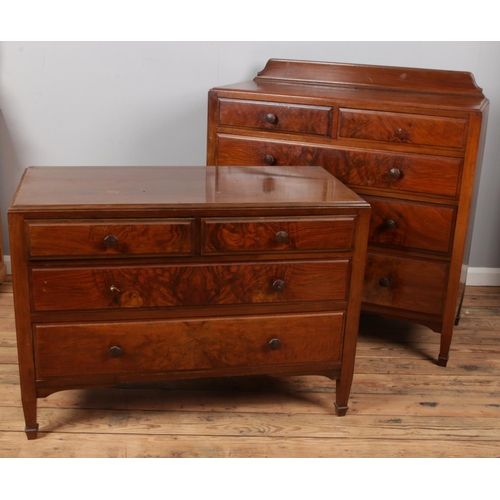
x=126, y=274
x=410, y=141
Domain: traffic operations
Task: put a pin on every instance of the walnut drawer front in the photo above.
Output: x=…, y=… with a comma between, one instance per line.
x=221, y=236
x=189, y=285
x=63, y=350
x=411, y=284
x=402, y=128
x=304, y=119
x=109, y=238
x=413, y=173
x=419, y=226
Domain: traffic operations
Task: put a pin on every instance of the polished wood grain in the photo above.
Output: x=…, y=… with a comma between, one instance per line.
x=291, y=118
x=181, y=273
x=89, y=238
x=411, y=225
x=371, y=77
x=403, y=128
x=62, y=188
x=284, y=235
x=410, y=140
x=402, y=405
x=192, y=344
x=86, y=288
x=361, y=170
x=405, y=283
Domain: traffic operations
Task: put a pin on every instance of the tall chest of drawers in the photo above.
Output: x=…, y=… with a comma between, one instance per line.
x=409, y=141
x=133, y=274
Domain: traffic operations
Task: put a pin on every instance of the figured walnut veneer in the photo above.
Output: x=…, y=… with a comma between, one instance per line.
x=410, y=141
x=134, y=274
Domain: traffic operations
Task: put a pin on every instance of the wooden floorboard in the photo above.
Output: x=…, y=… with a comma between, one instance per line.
x=402, y=404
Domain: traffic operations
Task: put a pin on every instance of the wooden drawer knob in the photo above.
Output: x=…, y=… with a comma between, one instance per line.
x=270, y=118
x=384, y=282
x=115, y=352
x=281, y=237
x=279, y=285
x=402, y=134
x=111, y=241
x=395, y=173
x=269, y=159
x=389, y=224
x=275, y=344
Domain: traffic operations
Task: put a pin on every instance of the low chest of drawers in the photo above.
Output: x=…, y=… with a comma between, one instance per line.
x=133, y=274
x=409, y=141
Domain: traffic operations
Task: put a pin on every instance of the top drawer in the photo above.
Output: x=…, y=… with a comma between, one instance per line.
x=403, y=128
x=107, y=238
x=303, y=119
x=220, y=236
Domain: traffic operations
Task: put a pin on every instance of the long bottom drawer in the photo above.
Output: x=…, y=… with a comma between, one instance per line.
x=79, y=349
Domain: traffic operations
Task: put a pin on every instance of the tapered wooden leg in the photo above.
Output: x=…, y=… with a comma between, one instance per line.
x=444, y=351
x=459, y=311
x=29, y=408
x=342, y=390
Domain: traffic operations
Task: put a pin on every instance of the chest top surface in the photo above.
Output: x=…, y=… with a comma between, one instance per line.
x=55, y=188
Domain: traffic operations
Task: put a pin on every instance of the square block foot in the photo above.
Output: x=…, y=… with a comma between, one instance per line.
x=341, y=410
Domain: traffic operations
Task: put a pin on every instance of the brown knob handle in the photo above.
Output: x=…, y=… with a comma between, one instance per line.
x=389, y=224
x=111, y=241
x=279, y=285
x=395, y=173
x=402, y=134
x=275, y=344
x=115, y=352
x=384, y=282
x=269, y=159
x=270, y=118
x=281, y=237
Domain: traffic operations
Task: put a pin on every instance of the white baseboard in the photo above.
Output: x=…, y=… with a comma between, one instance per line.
x=483, y=276
x=476, y=276
x=6, y=259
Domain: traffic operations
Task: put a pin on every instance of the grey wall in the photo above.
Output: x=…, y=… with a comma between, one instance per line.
x=145, y=103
